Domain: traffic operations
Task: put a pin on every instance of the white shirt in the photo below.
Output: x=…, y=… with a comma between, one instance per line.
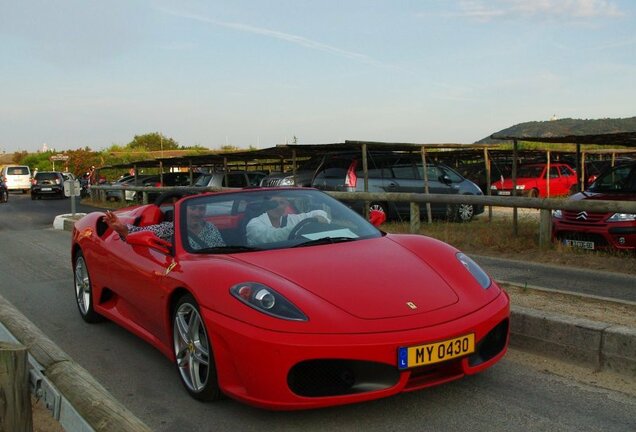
x=260, y=229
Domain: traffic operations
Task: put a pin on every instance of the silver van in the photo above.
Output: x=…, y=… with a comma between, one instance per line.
x=397, y=172
x=17, y=177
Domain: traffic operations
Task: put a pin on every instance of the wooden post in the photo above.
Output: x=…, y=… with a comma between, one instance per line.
x=415, y=218
x=429, y=213
x=547, y=173
x=515, y=228
x=545, y=228
x=488, y=172
x=15, y=400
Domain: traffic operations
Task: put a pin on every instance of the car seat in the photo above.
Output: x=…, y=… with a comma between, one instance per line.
x=151, y=215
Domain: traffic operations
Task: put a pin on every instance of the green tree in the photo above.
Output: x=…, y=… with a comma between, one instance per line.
x=153, y=142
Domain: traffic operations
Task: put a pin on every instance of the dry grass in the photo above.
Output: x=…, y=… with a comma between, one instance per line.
x=496, y=238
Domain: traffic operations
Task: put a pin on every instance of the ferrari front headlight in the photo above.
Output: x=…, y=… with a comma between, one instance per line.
x=480, y=276
x=265, y=299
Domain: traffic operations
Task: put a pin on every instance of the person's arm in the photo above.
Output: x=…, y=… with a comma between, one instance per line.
x=164, y=230
x=116, y=225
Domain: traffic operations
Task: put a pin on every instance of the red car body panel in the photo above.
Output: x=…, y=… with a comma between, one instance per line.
x=560, y=182
x=356, y=296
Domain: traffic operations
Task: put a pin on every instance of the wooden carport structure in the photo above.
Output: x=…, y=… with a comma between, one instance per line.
x=613, y=138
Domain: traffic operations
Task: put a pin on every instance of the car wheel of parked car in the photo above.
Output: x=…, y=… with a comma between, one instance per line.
x=84, y=291
x=533, y=193
x=193, y=352
x=464, y=213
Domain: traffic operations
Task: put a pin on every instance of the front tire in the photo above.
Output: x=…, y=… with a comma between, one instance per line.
x=84, y=291
x=193, y=352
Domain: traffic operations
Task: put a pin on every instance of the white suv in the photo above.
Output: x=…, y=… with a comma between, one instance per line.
x=17, y=177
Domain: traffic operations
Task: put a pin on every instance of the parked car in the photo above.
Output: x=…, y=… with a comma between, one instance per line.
x=47, y=183
x=125, y=182
x=476, y=172
x=4, y=192
x=272, y=326
x=230, y=179
x=610, y=230
x=304, y=174
x=169, y=179
x=594, y=168
x=17, y=177
x=532, y=181
x=396, y=172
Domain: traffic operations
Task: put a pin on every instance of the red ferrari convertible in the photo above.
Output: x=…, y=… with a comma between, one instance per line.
x=302, y=304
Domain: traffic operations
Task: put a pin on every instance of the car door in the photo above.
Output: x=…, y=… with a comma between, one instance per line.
x=567, y=179
x=134, y=274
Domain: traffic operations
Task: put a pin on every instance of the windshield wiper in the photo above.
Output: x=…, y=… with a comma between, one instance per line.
x=326, y=240
x=227, y=249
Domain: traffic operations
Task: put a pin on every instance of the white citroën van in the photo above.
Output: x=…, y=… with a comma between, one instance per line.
x=17, y=177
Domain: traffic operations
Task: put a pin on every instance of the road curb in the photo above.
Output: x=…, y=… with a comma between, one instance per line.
x=597, y=345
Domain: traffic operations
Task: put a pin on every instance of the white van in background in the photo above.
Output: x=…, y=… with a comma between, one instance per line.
x=17, y=177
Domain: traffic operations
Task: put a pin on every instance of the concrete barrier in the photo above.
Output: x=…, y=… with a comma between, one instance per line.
x=598, y=345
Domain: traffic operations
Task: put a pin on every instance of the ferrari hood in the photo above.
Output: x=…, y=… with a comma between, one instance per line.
x=357, y=279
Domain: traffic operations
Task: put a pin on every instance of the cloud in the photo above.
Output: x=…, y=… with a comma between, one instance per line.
x=287, y=37
x=562, y=9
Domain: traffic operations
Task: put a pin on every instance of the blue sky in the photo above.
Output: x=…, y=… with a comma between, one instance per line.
x=78, y=73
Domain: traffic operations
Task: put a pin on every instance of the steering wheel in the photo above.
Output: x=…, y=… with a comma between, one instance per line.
x=296, y=231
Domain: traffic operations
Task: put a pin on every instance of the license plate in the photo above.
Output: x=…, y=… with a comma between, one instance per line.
x=504, y=192
x=579, y=244
x=47, y=189
x=436, y=352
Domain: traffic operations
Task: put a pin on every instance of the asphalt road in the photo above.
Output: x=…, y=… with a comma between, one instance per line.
x=37, y=279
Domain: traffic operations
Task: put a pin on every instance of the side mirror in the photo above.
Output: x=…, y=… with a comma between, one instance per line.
x=377, y=217
x=150, y=240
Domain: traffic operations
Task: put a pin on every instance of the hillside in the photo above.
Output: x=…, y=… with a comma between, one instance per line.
x=564, y=127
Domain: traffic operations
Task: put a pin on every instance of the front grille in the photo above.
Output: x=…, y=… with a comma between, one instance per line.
x=334, y=377
x=269, y=182
x=581, y=217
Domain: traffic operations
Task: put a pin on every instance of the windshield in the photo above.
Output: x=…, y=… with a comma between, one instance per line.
x=621, y=179
x=530, y=171
x=265, y=219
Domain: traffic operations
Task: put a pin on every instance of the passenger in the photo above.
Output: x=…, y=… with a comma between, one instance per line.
x=201, y=234
x=275, y=223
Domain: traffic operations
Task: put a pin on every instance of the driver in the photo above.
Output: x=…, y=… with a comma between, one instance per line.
x=275, y=224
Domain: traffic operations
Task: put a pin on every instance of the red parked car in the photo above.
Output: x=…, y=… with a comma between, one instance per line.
x=334, y=313
x=609, y=230
x=533, y=181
